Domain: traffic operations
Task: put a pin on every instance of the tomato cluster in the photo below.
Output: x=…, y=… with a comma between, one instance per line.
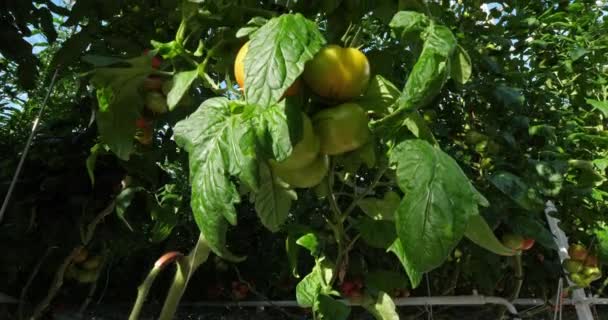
x=155, y=92
x=337, y=74
x=83, y=267
x=582, y=267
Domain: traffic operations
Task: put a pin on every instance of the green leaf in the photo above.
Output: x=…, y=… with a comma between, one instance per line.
x=433, y=216
x=376, y=233
x=277, y=54
x=331, y=309
x=381, y=209
x=71, y=49
x=480, y=233
x=46, y=24
x=385, y=280
x=278, y=129
x=91, y=161
x=418, y=126
x=309, y=241
x=509, y=97
x=532, y=227
x=406, y=23
x=431, y=70
x=273, y=200
x=461, y=67
x=315, y=283
x=252, y=26
x=516, y=189
x=181, y=84
x=414, y=274
x=165, y=219
x=123, y=201
x=294, y=232
x=602, y=242
x=602, y=106
x=380, y=96
x=220, y=141
x=382, y=307
x=577, y=53
x=120, y=103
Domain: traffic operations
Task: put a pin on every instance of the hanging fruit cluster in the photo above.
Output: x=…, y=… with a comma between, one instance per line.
x=582, y=267
x=337, y=74
x=84, y=267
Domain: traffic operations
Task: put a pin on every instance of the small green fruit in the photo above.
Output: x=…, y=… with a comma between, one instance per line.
x=579, y=280
x=572, y=266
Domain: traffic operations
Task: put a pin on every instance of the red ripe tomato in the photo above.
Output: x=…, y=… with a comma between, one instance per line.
x=527, y=244
x=142, y=123
x=577, y=252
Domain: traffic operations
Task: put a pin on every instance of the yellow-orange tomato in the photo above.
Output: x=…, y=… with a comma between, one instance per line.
x=338, y=73
x=239, y=72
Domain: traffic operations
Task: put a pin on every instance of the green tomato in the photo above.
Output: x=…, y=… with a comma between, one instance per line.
x=305, y=177
x=156, y=102
x=92, y=263
x=592, y=273
x=304, y=152
x=71, y=272
x=338, y=73
x=86, y=276
x=572, y=266
x=513, y=241
x=579, y=280
x=342, y=128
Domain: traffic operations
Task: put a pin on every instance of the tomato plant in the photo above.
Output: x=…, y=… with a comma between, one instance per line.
x=354, y=148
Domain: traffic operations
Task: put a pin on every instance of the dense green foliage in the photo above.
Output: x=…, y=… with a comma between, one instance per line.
x=479, y=113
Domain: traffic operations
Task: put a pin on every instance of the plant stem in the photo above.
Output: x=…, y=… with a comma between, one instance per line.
x=519, y=280
x=142, y=293
x=185, y=268
x=176, y=291
x=369, y=188
x=25, y=289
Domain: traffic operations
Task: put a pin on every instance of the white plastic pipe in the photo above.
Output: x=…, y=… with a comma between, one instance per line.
x=473, y=300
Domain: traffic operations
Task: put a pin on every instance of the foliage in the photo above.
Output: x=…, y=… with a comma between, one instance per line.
x=479, y=112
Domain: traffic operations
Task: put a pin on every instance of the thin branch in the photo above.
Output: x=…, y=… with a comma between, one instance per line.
x=27, y=285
